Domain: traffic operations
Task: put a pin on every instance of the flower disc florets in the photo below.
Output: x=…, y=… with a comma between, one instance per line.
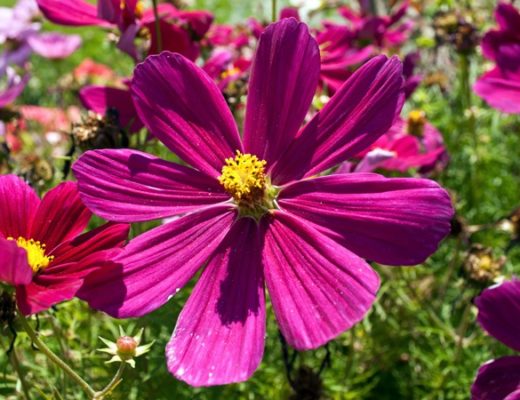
x=243, y=177
x=416, y=122
x=36, y=257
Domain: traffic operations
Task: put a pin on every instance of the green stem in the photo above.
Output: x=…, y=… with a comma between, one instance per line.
x=273, y=10
x=116, y=380
x=19, y=372
x=54, y=358
x=157, y=26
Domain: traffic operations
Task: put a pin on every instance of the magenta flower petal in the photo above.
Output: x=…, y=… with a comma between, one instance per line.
x=110, y=10
x=18, y=205
x=61, y=216
x=14, y=268
x=499, y=312
x=157, y=264
x=499, y=91
x=62, y=283
x=54, y=45
x=175, y=38
x=219, y=337
x=498, y=380
x=33, y=298
x=396, y=221
x=508, y=17
x=361, y=110
x=283, y=81
x=318, y=288
x=107, y=236
x=15, y=87
x=129, y=185
x=71, y=12
x=101, y=98
x=186, y=111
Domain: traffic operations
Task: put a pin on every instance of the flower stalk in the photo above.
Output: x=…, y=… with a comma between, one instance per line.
x=157, y=26
x=116, y=380
x=55, y=359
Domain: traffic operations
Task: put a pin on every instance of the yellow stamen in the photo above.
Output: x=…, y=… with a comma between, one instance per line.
x=230, y=72
x=243, y=177
x=36, y=257
x=139, y=9
x=416, y=122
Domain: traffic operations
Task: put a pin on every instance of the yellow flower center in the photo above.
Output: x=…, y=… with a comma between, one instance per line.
x=243, y=177
x=139, y=7
x=230, y=72
x=36, y=257
x=416, y=122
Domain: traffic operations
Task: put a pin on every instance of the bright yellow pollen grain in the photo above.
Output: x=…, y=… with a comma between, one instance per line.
x=243, y=176
x=36, y=257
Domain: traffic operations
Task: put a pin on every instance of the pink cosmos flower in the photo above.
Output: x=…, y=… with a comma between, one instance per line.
x=411, y=143
x=130, y=17
x=100, y=98
x=18, y=26
x=253, y=209
x=383, y=31
x=498, y=314
x=44, y=255
x=93, y=72
x=338, y=56
x=53, y=45
x=500, y=87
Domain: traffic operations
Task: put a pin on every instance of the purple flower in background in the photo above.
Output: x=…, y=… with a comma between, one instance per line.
x=338, y=56
x=384, y=31
x=179, y=29
x=411, y=81
x=102, y=98
x=254, y=209
x=22, y=36
x=410, y=143
x=498, y=314
x=53, y=45
x=13, y=87
x=500, y=87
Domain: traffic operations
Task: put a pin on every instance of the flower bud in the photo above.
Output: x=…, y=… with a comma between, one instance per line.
x=126, y=347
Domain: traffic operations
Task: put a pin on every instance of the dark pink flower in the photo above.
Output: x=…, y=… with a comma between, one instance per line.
x=410, y=143
x=129, y=16
x=102, y=98
x=411, y=80
x=254, y=209
x=338, y=56
x=383, y=31
x=44, y=253
x=498, y=314
x=500, y=87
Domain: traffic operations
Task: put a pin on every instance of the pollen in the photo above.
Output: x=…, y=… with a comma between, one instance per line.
x=139, y=9
x=243, y=177
x=36, y=256
x=416, y=122
x=230, y=72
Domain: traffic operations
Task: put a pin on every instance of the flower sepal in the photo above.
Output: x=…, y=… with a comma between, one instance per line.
x=126, y=347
